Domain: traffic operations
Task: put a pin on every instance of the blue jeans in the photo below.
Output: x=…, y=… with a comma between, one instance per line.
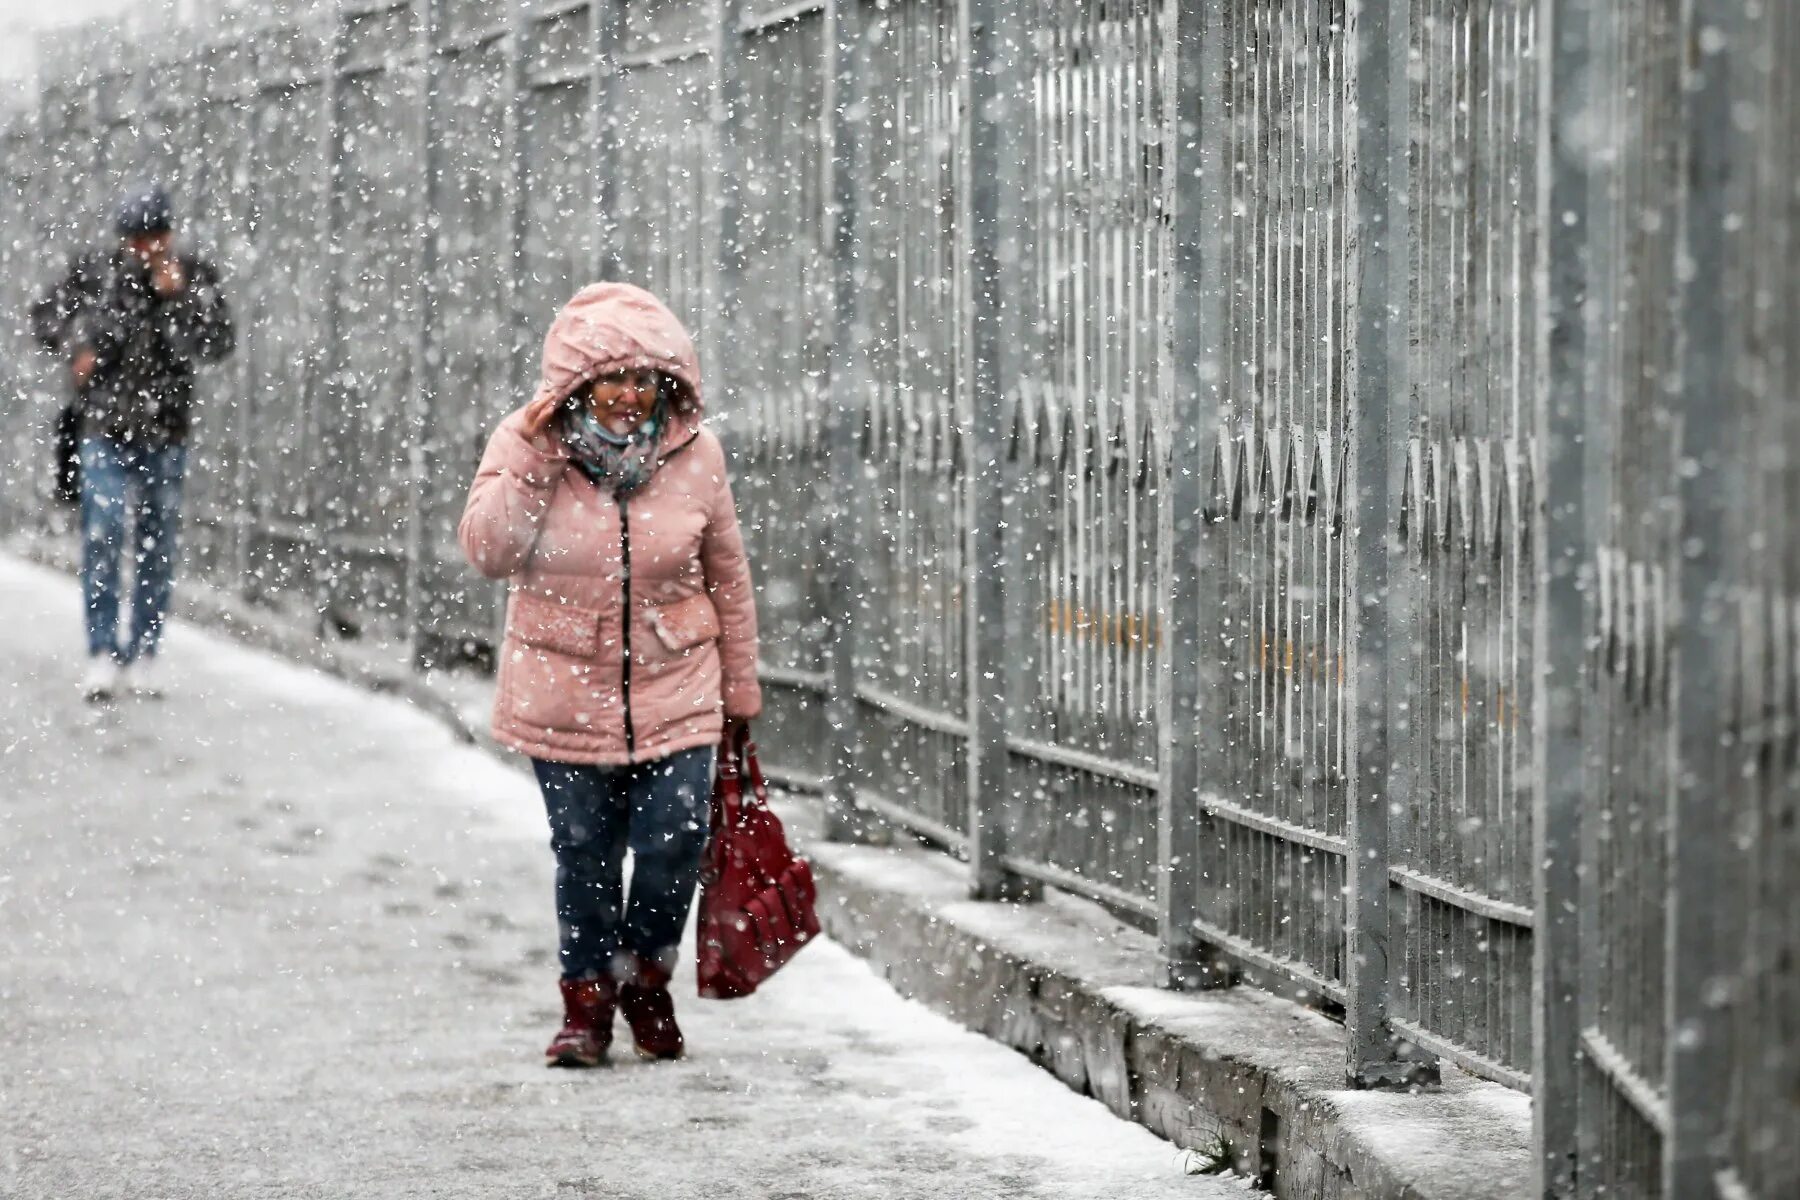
x=121, y=486
x=662, y=811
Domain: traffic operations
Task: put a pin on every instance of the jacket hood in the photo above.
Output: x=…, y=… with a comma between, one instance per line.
x=611, y=327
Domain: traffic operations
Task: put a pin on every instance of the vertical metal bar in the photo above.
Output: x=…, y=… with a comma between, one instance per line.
x=1379, y=37
x=325, y=397
x=606, y=19
x=1596, y=862
x=611, y=146
x=244, y=209
x=418, y=422
x=54, y=195
x=518, y=96
x=1701, y=861
x=1010, y=596
x=601, y=190
x=1562, y=621
x=993, y=46
x=846, y=117
x=1406, y=701
x=1191, y=346
x=726, y=251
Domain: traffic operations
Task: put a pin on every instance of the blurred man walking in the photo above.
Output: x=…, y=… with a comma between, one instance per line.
x=133, y=322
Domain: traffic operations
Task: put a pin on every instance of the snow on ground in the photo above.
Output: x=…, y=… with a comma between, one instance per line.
x=271, y=936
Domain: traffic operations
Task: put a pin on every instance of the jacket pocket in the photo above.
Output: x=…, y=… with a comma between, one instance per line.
x=552, y=625
x=685, y=623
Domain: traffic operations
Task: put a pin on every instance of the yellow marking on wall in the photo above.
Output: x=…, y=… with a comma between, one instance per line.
x=1313, y=661
x=1133, y=631
x=1286, y=653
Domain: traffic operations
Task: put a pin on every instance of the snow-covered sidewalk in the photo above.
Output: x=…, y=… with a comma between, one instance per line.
x=271, y=936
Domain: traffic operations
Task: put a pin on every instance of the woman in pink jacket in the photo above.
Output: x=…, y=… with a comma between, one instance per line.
x=630, y=643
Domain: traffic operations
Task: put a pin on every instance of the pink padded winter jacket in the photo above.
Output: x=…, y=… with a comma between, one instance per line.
x=630, y=624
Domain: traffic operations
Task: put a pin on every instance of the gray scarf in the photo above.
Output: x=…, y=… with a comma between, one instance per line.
x=618, y=463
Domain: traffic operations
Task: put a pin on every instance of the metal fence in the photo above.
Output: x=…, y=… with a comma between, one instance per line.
x=1315, y=477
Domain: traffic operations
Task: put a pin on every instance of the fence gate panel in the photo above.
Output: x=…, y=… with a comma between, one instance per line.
x=92, y=149
x=1464, y=601
x=208, y=152
x=366, y=426
x=1091, y=443
x=912, y=647
x=71, y=220
x=74, y=221
x=778, y=378
x=130, y=125
x=79, y=206
x=561, y=216
x=663, y=183
x=475, y=375
x=1634, y=453
x=276, y=292
x=28, y=265
x=1275, y=596
x=661, y=26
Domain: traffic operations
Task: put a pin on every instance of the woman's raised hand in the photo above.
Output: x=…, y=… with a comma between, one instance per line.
x=538, y=416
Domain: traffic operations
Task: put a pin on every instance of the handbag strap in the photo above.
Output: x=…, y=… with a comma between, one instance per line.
x=752, y=767
x=730, y=758
x=729, y=790
x=737, y=763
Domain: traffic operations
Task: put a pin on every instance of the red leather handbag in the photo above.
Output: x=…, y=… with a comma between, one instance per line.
x=758, y=904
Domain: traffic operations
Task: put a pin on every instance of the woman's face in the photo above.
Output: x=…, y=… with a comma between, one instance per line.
x=622, y=401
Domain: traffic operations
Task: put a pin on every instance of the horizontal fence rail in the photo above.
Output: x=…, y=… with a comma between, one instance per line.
x=1316, y=478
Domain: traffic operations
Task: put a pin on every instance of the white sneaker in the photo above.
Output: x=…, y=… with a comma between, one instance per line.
x=145, y=677
x=101, y=680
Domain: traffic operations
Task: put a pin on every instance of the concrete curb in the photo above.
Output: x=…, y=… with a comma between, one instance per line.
x=1071, y=987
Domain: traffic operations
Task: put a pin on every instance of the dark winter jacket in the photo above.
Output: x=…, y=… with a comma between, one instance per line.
x=145, y=345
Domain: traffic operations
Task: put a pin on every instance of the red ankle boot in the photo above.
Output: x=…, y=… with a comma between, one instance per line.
x=587, y=1024
x=650, y=1011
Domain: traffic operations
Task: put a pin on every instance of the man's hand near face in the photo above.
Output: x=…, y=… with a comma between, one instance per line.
x=82, y=366
x=154, y=251
x=166, y=275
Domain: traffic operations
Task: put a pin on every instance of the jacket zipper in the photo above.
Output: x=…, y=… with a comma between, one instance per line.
x=625, y=579
x=625, y=574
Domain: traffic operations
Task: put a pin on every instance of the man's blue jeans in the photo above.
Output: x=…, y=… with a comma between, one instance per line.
x=662, y=810
x=130, y=494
